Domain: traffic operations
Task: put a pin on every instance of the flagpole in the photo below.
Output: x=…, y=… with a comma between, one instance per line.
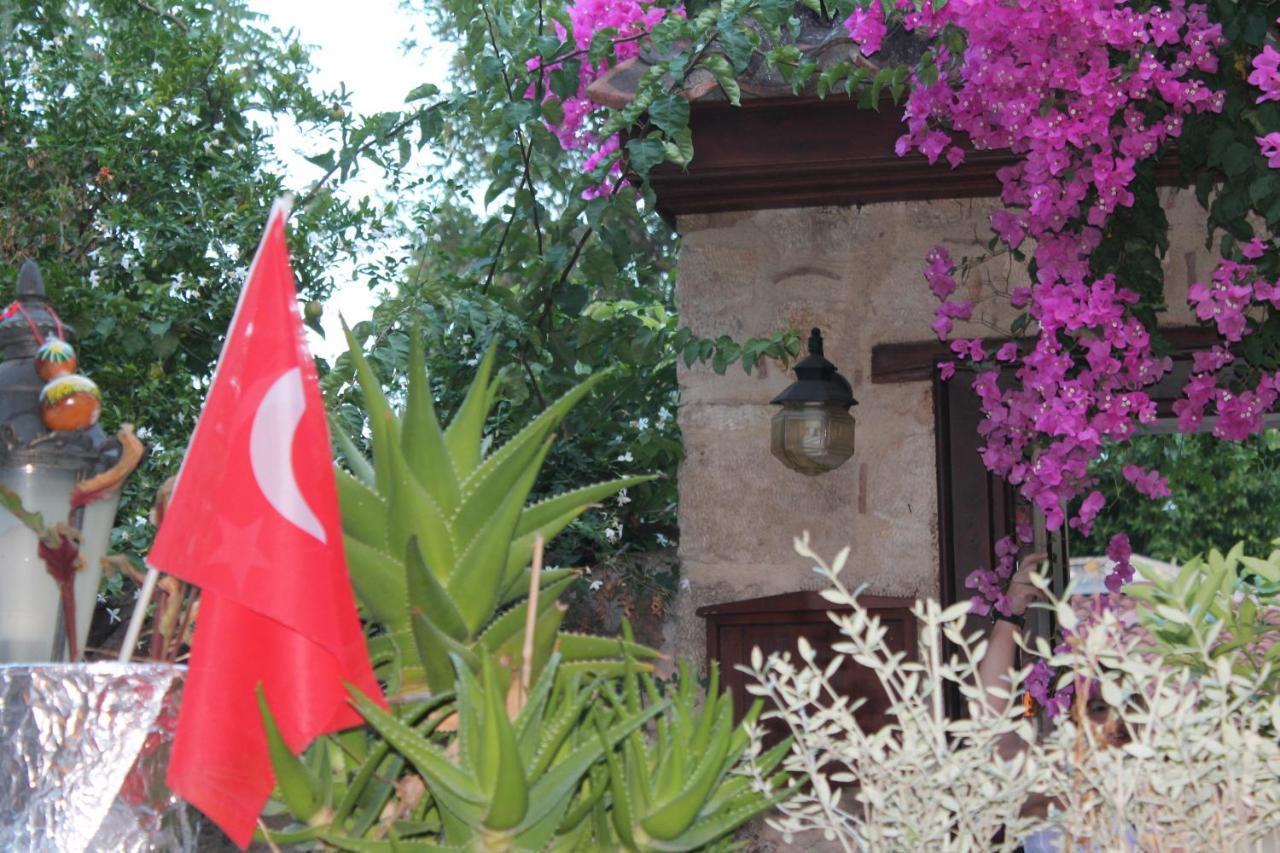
x=139, y=614
x=282, y=206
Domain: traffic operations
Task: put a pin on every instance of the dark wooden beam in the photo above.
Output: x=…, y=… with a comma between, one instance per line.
x=806, y=152
x=914, y=362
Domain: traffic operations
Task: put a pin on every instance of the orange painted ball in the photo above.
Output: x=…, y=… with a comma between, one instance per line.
x=55, y=357
x=70, y=402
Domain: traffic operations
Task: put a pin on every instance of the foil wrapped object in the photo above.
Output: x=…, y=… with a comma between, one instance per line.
x=83, y=751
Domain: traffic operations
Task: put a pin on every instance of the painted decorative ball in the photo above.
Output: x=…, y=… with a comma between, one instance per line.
x=55, y=357
x=70, y=402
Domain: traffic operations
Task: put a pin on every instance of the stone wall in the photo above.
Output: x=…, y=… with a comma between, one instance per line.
x=856, y=274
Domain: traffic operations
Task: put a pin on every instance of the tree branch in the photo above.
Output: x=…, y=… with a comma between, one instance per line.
x=525, y=150
x=161, y=13
x=396, y=128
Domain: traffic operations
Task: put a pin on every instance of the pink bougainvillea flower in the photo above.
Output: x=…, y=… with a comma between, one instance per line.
x=1119, y=551
x=867, y=28
x=1266, y=74
x=576, y=132
x=1149, y=483
x=1254, y=249
x=969, y=349
x=1089, y=509
x=946, y=370
x=1270, y=146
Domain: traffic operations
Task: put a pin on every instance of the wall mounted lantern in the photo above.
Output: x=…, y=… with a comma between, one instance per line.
x=49, y=443
x=813, y=432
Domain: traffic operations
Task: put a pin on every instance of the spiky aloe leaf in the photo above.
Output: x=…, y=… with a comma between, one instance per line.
x=299, y=788
x=364, y=512
x=561, y=779
x=707, y=830
x=411, y=511
x=561, y=723
x=539, y=835
x=356, y=460
x=507, y=466
x=528, y=722
x=537, y=517
x=477, y=581
x=544, y=639
x=355, y=845
x=406, y=674
x=429, y=597
x=671, y=771
x=610, y=668
x=297, y=836
x=422, y=440
x=379, y=582
x=548, y=525
x=382, y=425
x=507, y=788
x=453, y=788
x=434, y=648
x=469, y=720
x=594, y=788
x=466, y=430
x=575, y=646
x=624, y=811
x=511, y=623
x=702, y=734
x=669, y=819
x=518, y=586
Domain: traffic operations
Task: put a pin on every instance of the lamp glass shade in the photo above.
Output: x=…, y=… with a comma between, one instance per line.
x=95, y=541
x=812, y=438
x=30, y=604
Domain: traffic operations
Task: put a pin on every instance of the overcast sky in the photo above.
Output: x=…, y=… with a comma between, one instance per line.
x=359, y=44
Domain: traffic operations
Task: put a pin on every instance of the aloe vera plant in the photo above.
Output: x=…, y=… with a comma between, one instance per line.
x=676, y=791
x=439, y=537
x=581, y=752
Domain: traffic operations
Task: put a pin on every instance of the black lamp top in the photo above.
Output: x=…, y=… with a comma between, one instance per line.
x=817, y=380
x=24, y=440
x=16, y=337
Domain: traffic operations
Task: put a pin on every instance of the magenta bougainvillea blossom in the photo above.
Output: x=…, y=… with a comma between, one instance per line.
x=1083, y=91
x=628, y=19
x=1266, y=74
x=867, y=28
x=1068, y=87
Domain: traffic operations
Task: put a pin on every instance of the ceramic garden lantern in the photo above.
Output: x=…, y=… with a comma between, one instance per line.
x=49, y=441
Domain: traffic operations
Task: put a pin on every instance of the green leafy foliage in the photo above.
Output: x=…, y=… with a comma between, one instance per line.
x=439, y=537
x=1218, y=607
x=571, y=271
x=137, y=172
x=1220, y=492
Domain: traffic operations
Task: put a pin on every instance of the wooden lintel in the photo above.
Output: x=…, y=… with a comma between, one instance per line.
x=915, y=362
x=807, y=152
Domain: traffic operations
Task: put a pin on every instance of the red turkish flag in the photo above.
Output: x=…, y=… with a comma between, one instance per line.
x=254, y=521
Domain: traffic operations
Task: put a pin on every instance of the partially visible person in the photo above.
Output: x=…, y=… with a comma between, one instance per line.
x=1107, y=728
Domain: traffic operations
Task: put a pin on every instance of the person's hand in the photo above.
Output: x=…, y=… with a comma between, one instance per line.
x=1021, y=590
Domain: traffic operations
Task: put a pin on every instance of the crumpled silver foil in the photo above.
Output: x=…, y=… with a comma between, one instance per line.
x=83, y=752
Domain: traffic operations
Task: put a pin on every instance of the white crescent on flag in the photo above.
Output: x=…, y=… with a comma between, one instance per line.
x=271, y=451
